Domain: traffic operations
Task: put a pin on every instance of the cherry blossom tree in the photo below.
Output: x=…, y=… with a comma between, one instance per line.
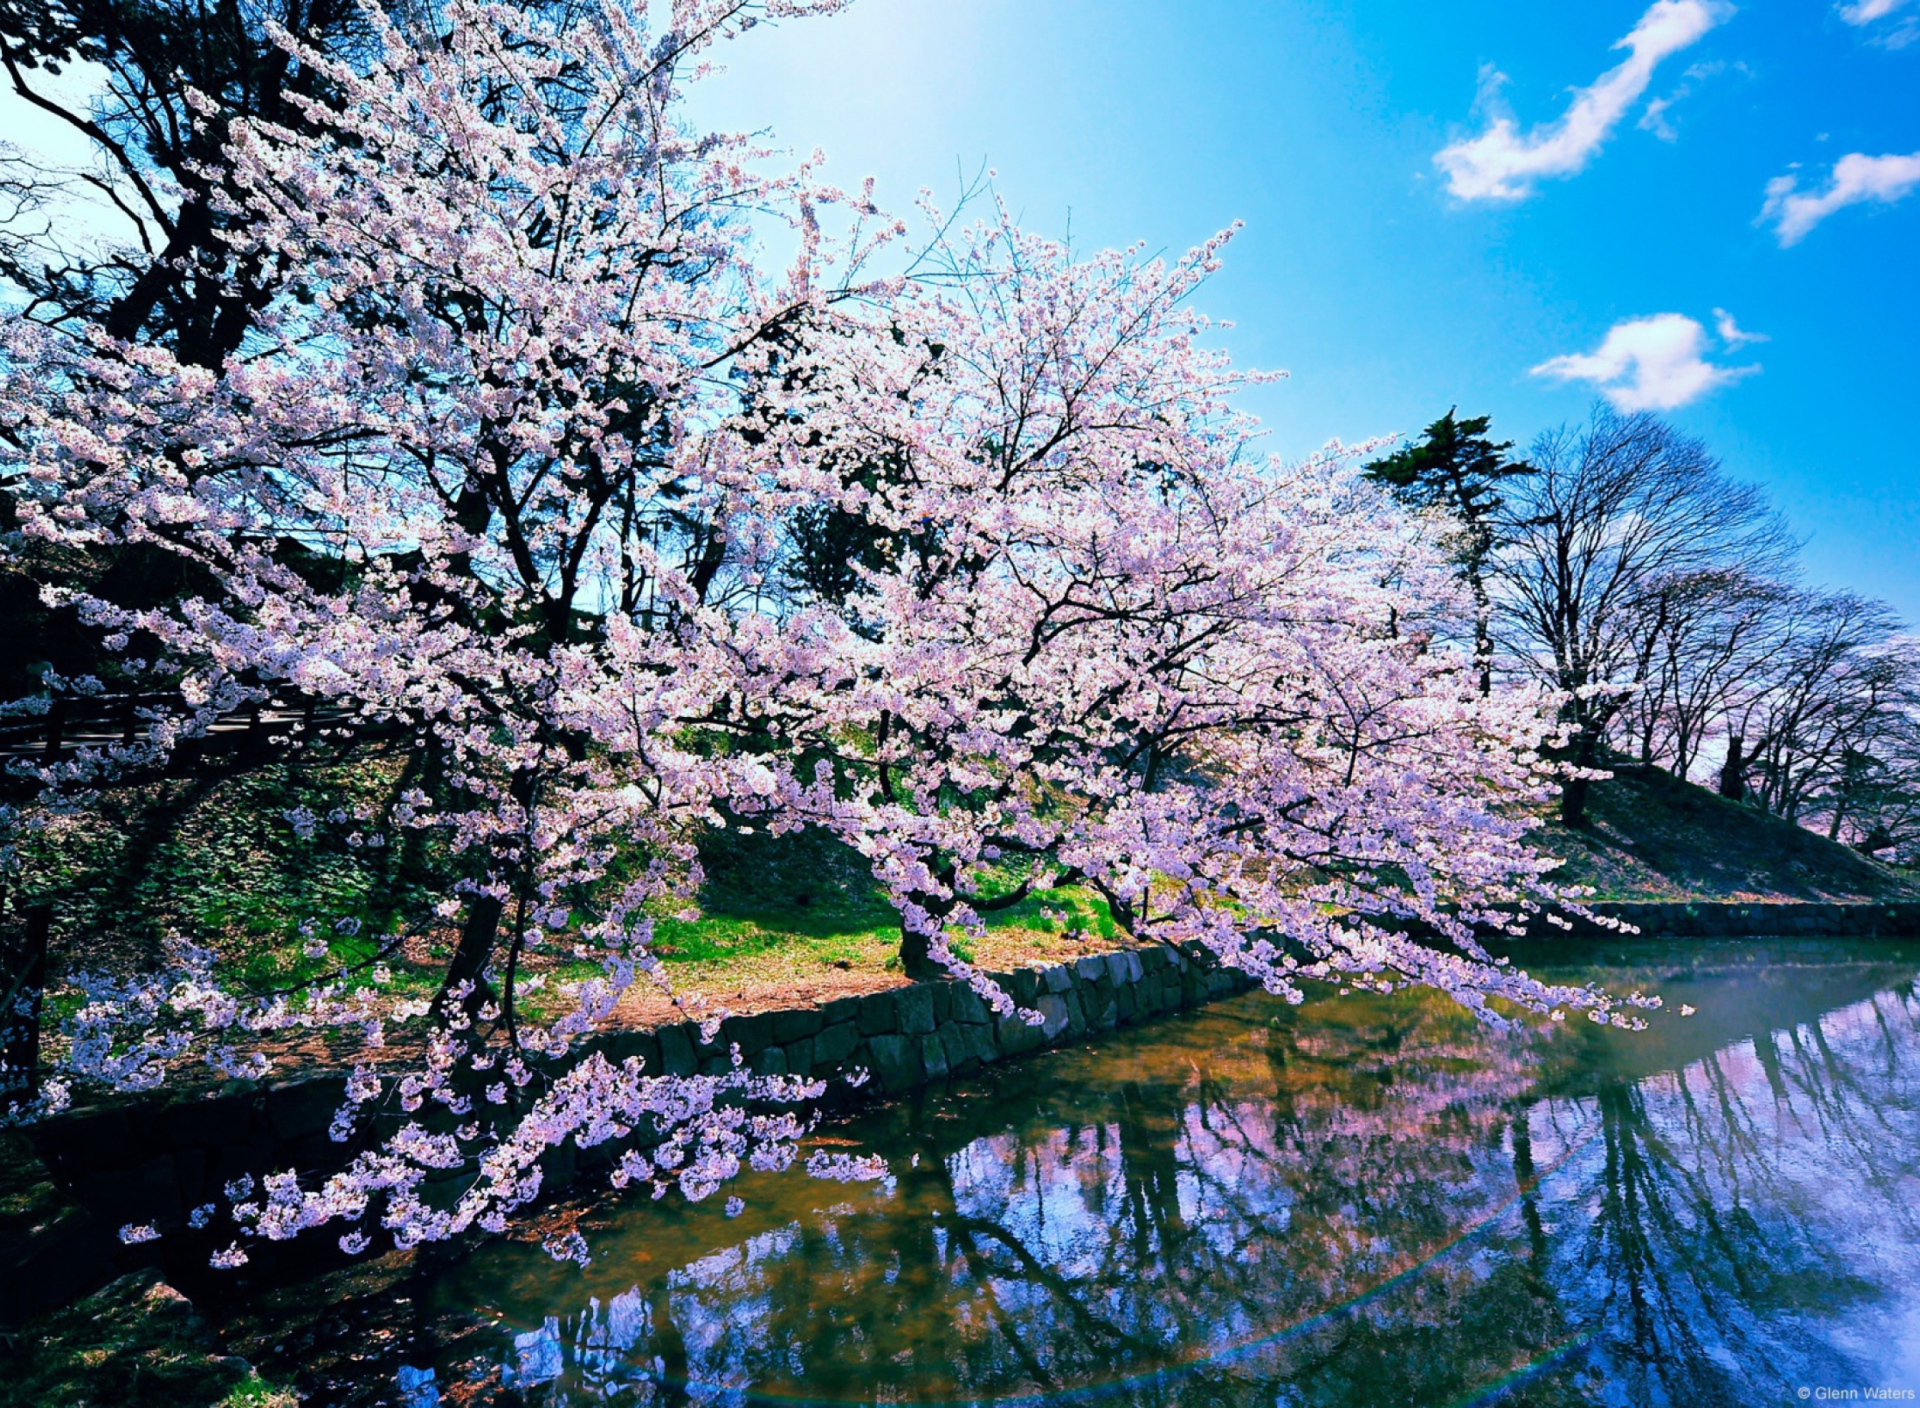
x=1113, y=644
x=525, y=461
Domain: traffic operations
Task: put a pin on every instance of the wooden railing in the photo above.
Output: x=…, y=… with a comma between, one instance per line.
x=73, y=722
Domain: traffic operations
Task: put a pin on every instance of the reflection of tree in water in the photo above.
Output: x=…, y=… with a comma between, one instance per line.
x=1721, y=1222
x=1108, y=1231
x=1235, y=1210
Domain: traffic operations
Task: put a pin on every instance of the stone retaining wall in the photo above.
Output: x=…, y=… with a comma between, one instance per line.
x=151, y=1161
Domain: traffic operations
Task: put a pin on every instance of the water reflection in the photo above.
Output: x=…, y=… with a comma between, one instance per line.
x=1362, y=1201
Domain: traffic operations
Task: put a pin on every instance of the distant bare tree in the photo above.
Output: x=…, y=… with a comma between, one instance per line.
x=1831, y=683
x=1601, y=548
x=1874, y=804
x=1712, y=629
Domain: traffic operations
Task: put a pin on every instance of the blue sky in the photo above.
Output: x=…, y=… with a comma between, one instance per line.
x=1392, y=285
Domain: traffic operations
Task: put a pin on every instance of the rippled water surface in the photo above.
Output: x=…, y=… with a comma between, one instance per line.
x=1362, y=1201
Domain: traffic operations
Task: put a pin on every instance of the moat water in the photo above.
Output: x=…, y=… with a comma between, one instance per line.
x=1361, y=1201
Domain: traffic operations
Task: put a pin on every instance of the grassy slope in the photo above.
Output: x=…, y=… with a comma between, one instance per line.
x=1650, y=836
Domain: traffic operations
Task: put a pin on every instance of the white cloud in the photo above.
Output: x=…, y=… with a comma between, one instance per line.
x=1867, y=11
x=1730, y=332
x=1650, y=364
x=1502, y=164
x=1856, y=178
x=1897, y=35
x=1654, y=119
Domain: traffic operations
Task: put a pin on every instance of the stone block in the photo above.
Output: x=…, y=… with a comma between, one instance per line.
x=834, y=1045
x=879, y=1013
x=896, y=1061
x=88, y=1141
x=1090, y=969
x=1058, y=979
x=1023, y=985
x=304, y=1107
x=841, y=1009
x=625, y=1046
x=1076, y=1015
x=943, y=1001
x=1054, y=1016
x=752, y=1034
x=769, y=1061
x=1123, y=1004
x=146, y=1193
x=800, y=1056
x=1015, y=1036
x=677, y=1054
x=969, y=1007
x=190, y=1173
x=1102, y=1014
x=311, y=1154
x=208, y=1122
x=916, y=1009
x=980, y=1043
x=69, y=1256
x=795, y=1024
x=960, y=1057
x=933, y=1056
x=233, y=1161
x=647, y=1049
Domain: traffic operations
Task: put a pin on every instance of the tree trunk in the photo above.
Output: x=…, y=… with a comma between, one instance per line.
x=25, y=981
x=1575, y=790
x=1527, y=1179
x=1482, y=629
x=1573, y=801
x=470, y=958
x=1733, y=772
x=916, y=950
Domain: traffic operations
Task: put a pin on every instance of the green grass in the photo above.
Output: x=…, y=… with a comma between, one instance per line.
x=256, y=1392
x=807, y=897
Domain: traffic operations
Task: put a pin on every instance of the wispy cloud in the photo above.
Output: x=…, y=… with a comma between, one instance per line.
x=1653, y=364
x=1503, y=164
x=1867, y=11
x=1730, y=332
x=1898, y=35
x=1857, y=178
x=1653, y=118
